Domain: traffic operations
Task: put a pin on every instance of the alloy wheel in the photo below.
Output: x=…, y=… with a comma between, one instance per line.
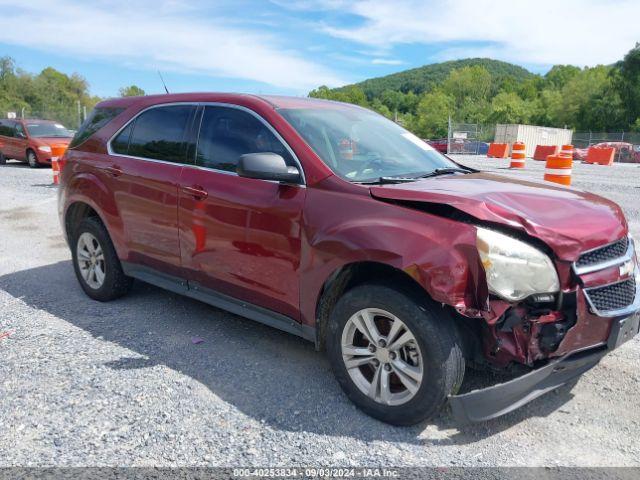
x=32, y=160
x=90, y=258
x=382, y=356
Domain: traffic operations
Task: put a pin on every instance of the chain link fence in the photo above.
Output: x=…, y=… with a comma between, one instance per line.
x=69, y=115
x=469, y=138
x=626, y=144
x=474, y=139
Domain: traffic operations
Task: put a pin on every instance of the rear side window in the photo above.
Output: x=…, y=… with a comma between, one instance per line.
x=158, y=133
x=7, y=129
x=227, y=133
x=97, y=119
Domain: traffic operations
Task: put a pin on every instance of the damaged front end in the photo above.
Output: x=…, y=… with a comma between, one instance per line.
x=556, y=337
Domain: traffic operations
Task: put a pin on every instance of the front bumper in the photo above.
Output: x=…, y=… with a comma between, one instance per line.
x=492, y=402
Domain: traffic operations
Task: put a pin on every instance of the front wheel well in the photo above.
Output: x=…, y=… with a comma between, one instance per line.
x=352, y=275
x=77, y=212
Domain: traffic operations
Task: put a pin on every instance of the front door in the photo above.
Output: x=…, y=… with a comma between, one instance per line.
x=20, y=142
x=240, y=236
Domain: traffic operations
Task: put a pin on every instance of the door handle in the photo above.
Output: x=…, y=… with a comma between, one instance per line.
x=113, y=170
x=196, y=192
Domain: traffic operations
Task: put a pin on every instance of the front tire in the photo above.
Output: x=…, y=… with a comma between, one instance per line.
x=32, y=159
x=3, y=159
x=96, y=263
x=396, y=357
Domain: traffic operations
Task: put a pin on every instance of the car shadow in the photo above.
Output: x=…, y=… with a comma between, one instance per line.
x=15, y=164
x=274, y=377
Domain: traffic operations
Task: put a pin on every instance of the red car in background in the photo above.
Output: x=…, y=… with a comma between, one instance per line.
x=625, y=152
x=440, y=145
x=32, y=141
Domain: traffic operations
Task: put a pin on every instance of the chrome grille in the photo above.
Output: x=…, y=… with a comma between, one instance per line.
x=613, y=297
x=604, y=254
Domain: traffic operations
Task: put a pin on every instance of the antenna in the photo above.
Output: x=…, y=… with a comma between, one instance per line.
x=163, y=84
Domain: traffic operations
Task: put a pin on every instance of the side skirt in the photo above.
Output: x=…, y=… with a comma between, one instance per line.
x=219, y=300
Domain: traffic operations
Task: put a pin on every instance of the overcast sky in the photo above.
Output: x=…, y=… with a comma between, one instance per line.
x=283, y=46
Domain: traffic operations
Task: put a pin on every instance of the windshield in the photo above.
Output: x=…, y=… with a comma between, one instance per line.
x=361, y=146
x=48, y=130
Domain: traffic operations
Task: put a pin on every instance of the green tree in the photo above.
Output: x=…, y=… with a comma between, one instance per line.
x=509, y=108
x=578, y=95
x=131, y=91
x=432, y=115
x=468, y=85
x=381, y=108
x=627, y=84
x=560, y=75
x=350, y=94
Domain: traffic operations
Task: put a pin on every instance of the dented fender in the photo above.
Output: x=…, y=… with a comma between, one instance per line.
x=438, y=253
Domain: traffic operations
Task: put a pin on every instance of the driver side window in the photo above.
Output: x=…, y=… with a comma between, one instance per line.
x=20, y=133
x=227, y=133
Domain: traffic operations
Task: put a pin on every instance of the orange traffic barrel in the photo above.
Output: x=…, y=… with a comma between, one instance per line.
x=567, y=151
x=55, y=168
x=517, y=155
x=558, y=169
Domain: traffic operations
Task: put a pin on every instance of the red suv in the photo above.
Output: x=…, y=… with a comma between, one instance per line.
x=332, y=223
x=33, y=141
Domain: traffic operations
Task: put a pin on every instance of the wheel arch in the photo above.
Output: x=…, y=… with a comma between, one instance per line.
x=76, y=212
x=351, y=275
x=86, y=194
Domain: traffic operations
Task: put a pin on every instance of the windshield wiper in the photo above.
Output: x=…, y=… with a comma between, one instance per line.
x=445, y=171
x=388, y=180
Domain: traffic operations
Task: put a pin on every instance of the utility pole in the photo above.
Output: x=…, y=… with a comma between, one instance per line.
x=79, y=113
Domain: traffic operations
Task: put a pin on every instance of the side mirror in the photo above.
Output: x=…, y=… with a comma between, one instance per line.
x=267, y=166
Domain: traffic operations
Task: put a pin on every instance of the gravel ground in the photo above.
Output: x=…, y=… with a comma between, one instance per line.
x=121, y=384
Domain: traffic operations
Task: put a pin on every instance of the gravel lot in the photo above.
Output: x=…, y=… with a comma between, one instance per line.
x=90, y=384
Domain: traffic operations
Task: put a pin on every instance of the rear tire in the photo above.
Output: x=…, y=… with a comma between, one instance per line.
x=433, y=357
x=3, y=159
x=96, y=263
x=32, y=159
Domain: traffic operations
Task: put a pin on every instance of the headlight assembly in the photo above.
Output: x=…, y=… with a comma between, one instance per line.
x=44, y=148
x=515, y=269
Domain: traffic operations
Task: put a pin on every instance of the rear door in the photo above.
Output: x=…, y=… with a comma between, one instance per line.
x=240, y=236
x=144, y=168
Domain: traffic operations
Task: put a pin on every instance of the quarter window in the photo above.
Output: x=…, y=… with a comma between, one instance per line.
x=159, y=133
x=7, y=128
x=97, y=119
x=227, y=133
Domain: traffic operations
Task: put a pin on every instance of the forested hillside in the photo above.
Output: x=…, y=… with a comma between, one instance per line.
x=421, y=79
x=602, y=98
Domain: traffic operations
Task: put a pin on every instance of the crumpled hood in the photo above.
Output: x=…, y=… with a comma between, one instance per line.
x=568, y=221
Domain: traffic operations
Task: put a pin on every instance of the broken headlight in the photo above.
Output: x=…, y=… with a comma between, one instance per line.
x=515, y=269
